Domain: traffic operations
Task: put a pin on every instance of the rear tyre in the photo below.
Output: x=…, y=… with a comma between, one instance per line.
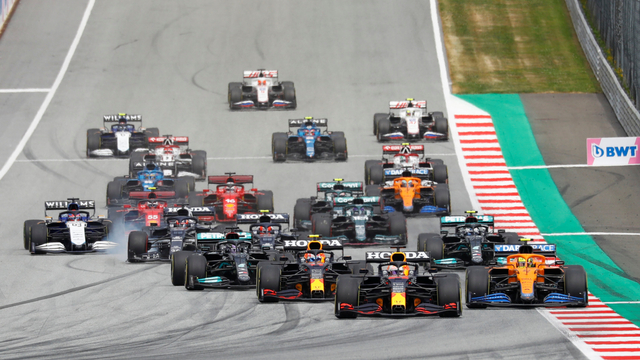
x=340, y=149
x=511, y=238
x=433, y=244
x=114, y=191
x=181, y=187
x=279, y=146
x=195, y=200
x=137, y=245
x=356, y=266
x=265, y=201
x=383, y=128
x=268, y=278
x=301, y=211
x=575, y=283
x=199, y=163
x=196, y=265
x=337, y=134
x=449, y=294
x=398, y=225
x=94, y=141
x=477, y=285
x=440, y=174
x=321, y=224
x=372, y=190
x=151, y=132
x=347, y=292
x=376, y=120
x=178, y=266
x=368, y=165
x=136, y=158
x=26, y=232
x=39, y=236
x=442, y=126
x=442, y=197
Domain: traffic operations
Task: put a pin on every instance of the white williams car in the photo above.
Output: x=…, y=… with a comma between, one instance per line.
x=118, y=137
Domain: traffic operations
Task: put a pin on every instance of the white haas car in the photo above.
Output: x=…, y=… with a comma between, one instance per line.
x=396, y=159
x=261, y=89
x=172, y=155
x=409, y=120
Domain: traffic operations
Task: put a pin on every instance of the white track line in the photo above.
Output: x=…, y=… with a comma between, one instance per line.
x=51, y=93
x=11, y=91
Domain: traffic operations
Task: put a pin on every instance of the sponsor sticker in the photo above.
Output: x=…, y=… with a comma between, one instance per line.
x=385, y=255
x=613, y=151
x=515, y=248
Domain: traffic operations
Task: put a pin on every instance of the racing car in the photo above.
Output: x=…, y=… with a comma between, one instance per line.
x=266, y=229
x=261, y=89
x=473, y=242
x=150, y=183
x=356, y=223
x=145, y=213
x=172, y=155
x=412, y=196
x=119, y=139
x=311, y=275
x=397, y=289
x=309, y=142
x=231, y=198
x=526, y=280
x=75, y=230
x=405, y=157
x=409, y=120
x=323, y=202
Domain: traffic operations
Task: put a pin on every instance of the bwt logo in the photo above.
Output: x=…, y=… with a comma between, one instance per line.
x=613, y=151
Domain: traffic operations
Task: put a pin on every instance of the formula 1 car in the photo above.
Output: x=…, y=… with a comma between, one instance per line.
x=398, y=289
x=357, y=224
x=150, y=184
x=179, y=231
x=326, y=196
x=527, y=281
x=311, y=275
x=409, y=120
x=412, y=196
x=261, y=89
x=474, y=241
x=309, y=142
x=406, y=157
x=145, y=213
x=267, y=232
x=231, y=198
x=120, y=139
x=75, y=231
x=172, y=155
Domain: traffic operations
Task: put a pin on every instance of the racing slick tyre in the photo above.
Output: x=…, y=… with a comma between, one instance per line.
x=433, y=244
x=477, y=285
x=383, y=128
x=340, y=148
x=195, y=200
x=356, y=266
x=39, y=235
x=575, y=283
x=195, y=265
x=440, y=174
x=321, y=224
x=442, y=197
x=301, y=211
x=264, y=201
x=199, y=164
x=181, y=187
x=267, y=278
x=137, y=245
x=373, y=172
x=511, y=238
x=235, y=94
x=279, y=146
x=114, y=191
x=94, y=140
x=337, y=134
x=376, y=120
x=398, y=225
x=442, y=126
x=347, y=292
x=178, y=266
x=448, y=288
x=151, y=132
x=136, y=161
x=372, y=190
x=437, y=114
x=289, y=93
x=436, y=161
x=26, y=232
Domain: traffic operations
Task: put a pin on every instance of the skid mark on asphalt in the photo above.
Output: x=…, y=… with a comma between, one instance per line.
x=29, y=155
x=292, y=320
x=75, y=289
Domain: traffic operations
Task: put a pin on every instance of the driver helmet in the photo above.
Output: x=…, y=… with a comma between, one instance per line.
x=230, y=189
x=358, y=210
x=409, y=113
x=312, y=258
x=395, y=271
x=469, y=230
x=167, y=141
x=122, y=119
x=265, y=230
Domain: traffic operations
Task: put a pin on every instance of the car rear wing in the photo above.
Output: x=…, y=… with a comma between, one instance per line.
x=236, y=179
x=278, y=218
x=504, y=250
x=301, y=244
x=177, y=140
x=385, y=256
x=64, y=204
x=419, y=104
x=347, y=200
x=453, y=221
x=396, y=149
x=116, y=118
x=143, y=195
x=300, y=122
x=348, y=185
x=251, y=74
x=195, y=211
x=219, y=236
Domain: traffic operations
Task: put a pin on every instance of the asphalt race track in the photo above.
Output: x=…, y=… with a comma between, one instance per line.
x=171, y=61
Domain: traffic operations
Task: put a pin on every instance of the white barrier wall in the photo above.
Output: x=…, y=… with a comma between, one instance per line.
x=5, y=8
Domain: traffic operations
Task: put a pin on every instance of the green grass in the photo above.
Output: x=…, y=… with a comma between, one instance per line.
x=513, y=46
